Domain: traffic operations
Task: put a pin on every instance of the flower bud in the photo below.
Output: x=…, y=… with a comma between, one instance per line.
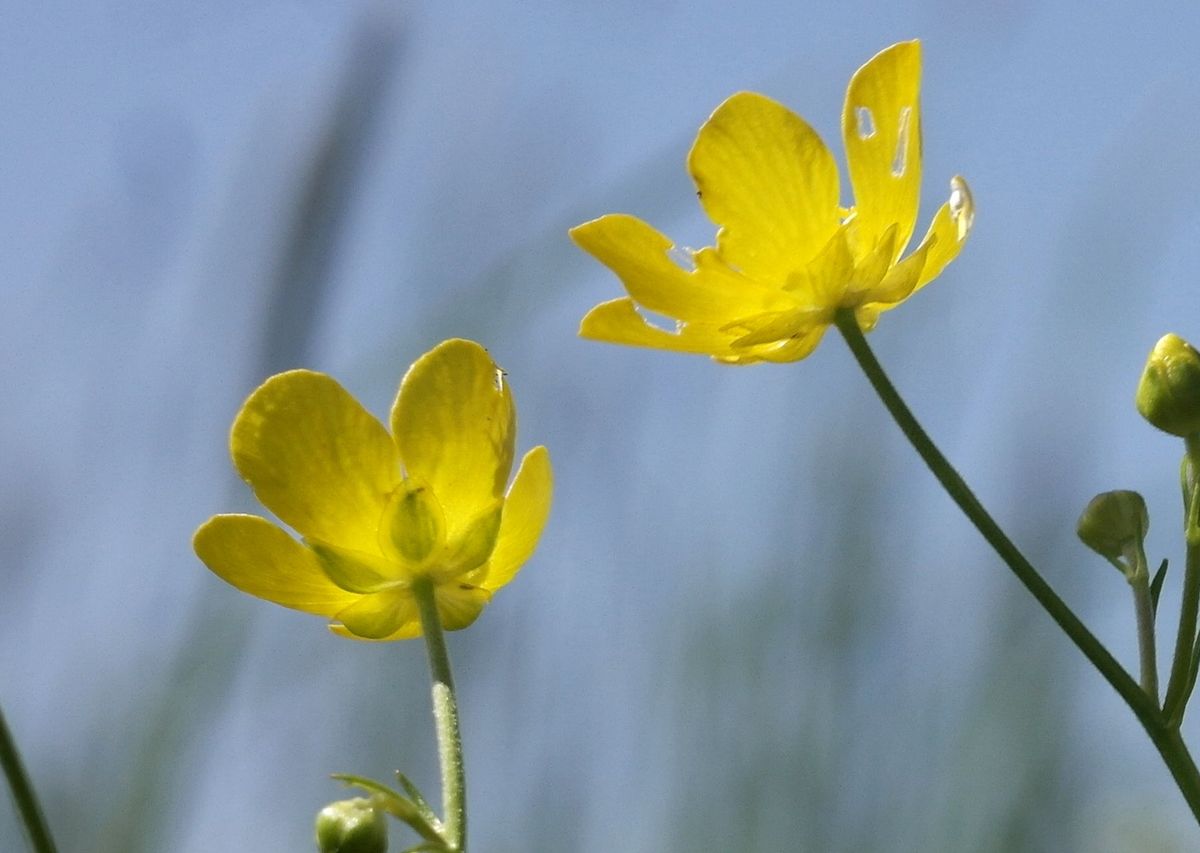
x=352, y=826
x=1169, y=394
x=1114, y=525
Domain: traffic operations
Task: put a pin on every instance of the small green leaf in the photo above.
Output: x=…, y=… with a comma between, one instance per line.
x=418, y=799
x=1156, y=585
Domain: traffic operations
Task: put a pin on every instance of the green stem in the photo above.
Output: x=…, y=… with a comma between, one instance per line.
x=1170, y=745
x=23, y=794
x=445, y=715
x=1179, y=687
x=1144, y=609
x=1185, y=640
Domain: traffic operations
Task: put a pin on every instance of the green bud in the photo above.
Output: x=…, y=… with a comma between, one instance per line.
x=352, y=826
x=1114, y=525
x=1169, y=394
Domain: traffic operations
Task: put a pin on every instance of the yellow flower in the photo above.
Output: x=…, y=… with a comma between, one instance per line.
x=378, y=511
x=787, y=255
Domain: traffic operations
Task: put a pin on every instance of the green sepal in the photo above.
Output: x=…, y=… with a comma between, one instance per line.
x=418, y=799
x=415, y=525
x=1156, y=585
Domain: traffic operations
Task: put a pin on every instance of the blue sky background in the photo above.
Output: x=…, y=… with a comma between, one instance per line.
x=754, y=622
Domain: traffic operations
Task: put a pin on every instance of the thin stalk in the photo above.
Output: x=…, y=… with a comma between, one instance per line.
x=1185, y=639
x=1144, y=609
x=1179, y=688
x=445, y=715
x=1170, y=746
x=23, y=794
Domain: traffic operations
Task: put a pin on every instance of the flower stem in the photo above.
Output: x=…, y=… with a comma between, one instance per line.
x=23, y=794
x=1144, y=609
x=445, y=715
x=1179, y=687
x=1167, y=740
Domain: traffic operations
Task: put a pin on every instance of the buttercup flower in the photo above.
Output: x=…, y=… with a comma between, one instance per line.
x=377, y=512
x=787, y=255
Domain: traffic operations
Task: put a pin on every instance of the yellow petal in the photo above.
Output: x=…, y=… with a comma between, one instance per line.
x=525, y=512
x=941, y=244
x=618, y=322
x=768, y=180
x=459, y=604
x=454, y=423
x=881, y=128
x=951, y=226
x=261, y=559
x=316, y=458
x=640, y=256
x=379, y=615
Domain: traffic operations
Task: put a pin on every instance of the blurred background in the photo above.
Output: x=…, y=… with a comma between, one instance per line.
x=754, y=622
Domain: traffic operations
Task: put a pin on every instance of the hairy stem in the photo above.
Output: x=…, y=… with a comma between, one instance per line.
x=445, y=715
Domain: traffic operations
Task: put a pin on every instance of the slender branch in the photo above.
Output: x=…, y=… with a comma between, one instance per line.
x=1185, y=640
x=445, y=714
x=1144, y=609
x=1183, y=667
x=23, y=793
x=1170, y=746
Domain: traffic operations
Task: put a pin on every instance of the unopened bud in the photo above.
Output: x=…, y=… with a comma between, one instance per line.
x=352, y=826
x=1169, y=394
x=1114, y=525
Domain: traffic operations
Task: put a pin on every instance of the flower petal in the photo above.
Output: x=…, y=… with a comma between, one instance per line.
x=951, y=226
x=261, y=559
x=768, y=180
x=454, y=424
x=941, y=244
x=316, y=458
x=525, y=512
x=379, y=615
x=640, y=256
x=881, y=128
x=618, y=322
